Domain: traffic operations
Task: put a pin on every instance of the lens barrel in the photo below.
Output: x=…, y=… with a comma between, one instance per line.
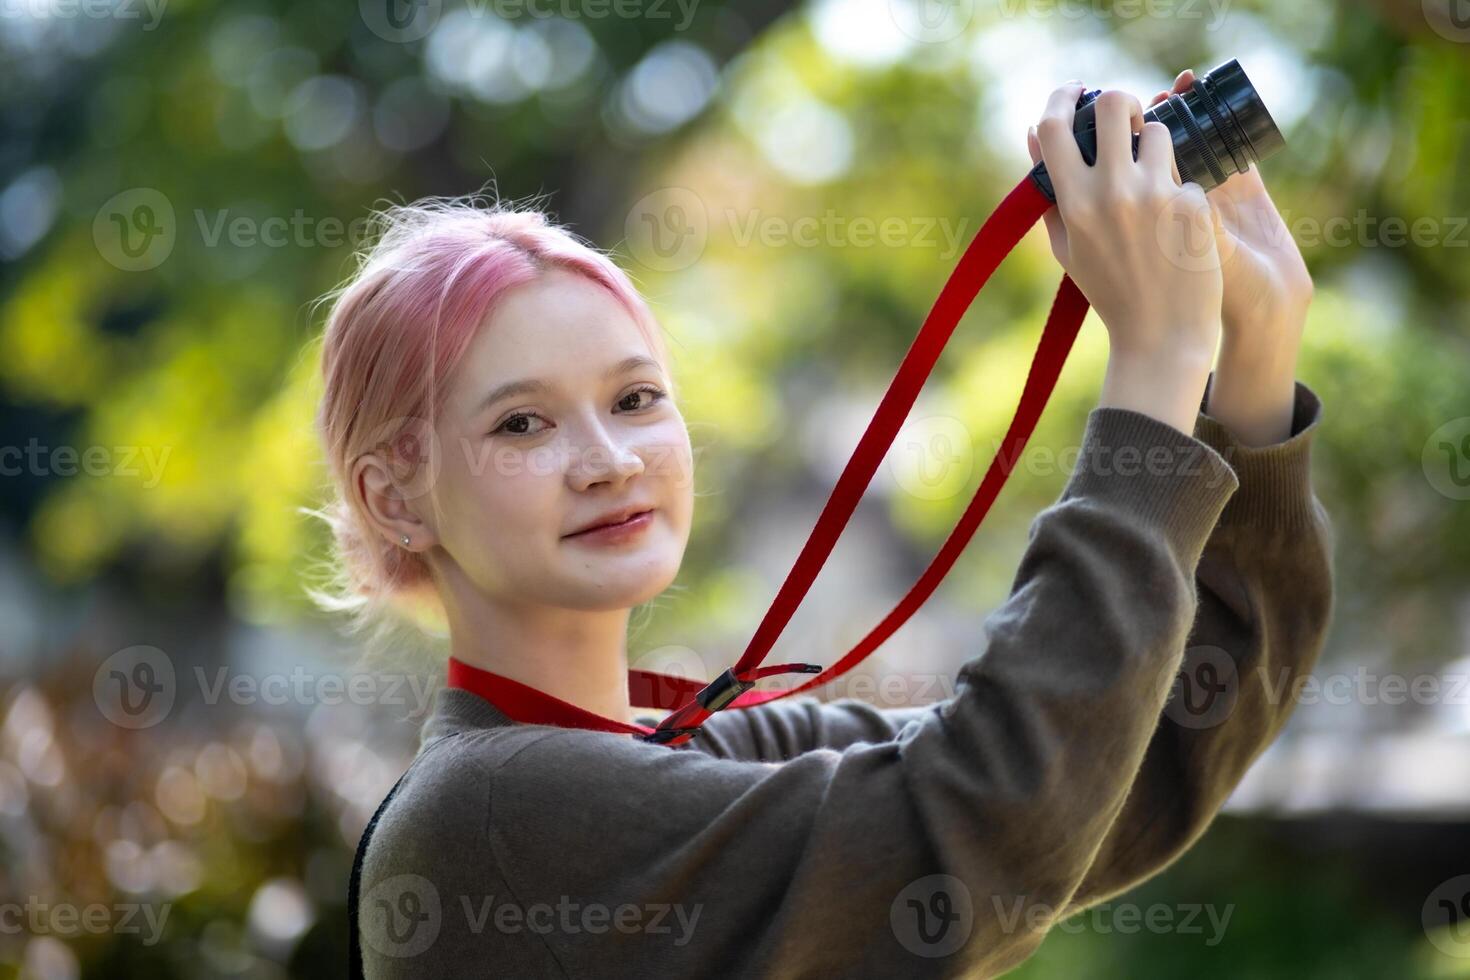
x=1219, y=127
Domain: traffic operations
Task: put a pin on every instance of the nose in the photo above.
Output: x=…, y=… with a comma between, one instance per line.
x=602, y=456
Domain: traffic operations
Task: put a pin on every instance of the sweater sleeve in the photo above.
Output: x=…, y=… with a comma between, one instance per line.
x=948, y=849
x=1265, y=589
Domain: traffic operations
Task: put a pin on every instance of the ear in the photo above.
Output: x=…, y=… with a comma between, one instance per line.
x=393, y=502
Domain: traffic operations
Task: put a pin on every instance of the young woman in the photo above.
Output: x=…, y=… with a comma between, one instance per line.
x=802, y=838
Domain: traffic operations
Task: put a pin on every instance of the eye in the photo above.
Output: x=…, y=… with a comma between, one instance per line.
x=655, y=395
x=514, y=425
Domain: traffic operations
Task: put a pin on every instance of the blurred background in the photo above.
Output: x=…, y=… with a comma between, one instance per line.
x=790, y=183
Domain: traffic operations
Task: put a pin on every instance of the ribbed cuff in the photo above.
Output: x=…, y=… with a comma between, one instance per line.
x=1149, y=468
x=1275, y=480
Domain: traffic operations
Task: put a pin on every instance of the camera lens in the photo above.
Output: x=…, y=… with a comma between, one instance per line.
x=1219, y=126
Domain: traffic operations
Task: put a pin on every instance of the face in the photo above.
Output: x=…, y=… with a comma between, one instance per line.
x=597, y=434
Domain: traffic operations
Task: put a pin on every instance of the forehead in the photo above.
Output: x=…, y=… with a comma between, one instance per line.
x=560, y=327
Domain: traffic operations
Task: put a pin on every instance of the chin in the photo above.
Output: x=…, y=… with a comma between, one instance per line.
x=623, y=581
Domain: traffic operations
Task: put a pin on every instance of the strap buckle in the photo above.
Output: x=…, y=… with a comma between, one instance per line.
x=719, y=692
x=661, y=735
x=685, y=722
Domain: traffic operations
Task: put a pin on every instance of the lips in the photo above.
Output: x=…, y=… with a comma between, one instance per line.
x=612, y=520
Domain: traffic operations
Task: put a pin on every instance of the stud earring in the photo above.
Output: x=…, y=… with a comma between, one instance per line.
x=405, y=541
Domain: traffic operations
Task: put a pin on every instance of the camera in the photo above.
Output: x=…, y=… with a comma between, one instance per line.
x=1219, y=127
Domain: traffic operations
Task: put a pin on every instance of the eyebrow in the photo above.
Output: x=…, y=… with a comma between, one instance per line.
x=527, y=386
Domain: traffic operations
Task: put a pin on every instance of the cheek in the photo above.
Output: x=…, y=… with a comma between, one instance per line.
x=505, y=490
x=670, y=458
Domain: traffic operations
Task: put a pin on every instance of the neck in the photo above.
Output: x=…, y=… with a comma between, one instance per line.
x=579, y=657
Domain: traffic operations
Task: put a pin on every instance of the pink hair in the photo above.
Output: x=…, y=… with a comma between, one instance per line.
x=397, y=330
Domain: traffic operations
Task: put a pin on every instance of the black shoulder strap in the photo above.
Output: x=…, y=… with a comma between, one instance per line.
x=354, y=884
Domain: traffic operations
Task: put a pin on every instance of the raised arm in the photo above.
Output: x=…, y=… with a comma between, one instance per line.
x=1265, y=605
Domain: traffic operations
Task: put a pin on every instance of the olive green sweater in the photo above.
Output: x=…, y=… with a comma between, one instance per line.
x=809, y=839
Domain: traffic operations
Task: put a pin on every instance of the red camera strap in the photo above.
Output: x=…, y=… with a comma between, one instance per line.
x=694, y=701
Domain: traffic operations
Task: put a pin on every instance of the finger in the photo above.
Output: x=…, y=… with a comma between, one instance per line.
x=1055, y=230
x=1251, y=175
x=1156, y=150
x=1184, y=81
x=1164, y=139
x=1163, y=94
x=1054, y=135
x=1119, y=116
